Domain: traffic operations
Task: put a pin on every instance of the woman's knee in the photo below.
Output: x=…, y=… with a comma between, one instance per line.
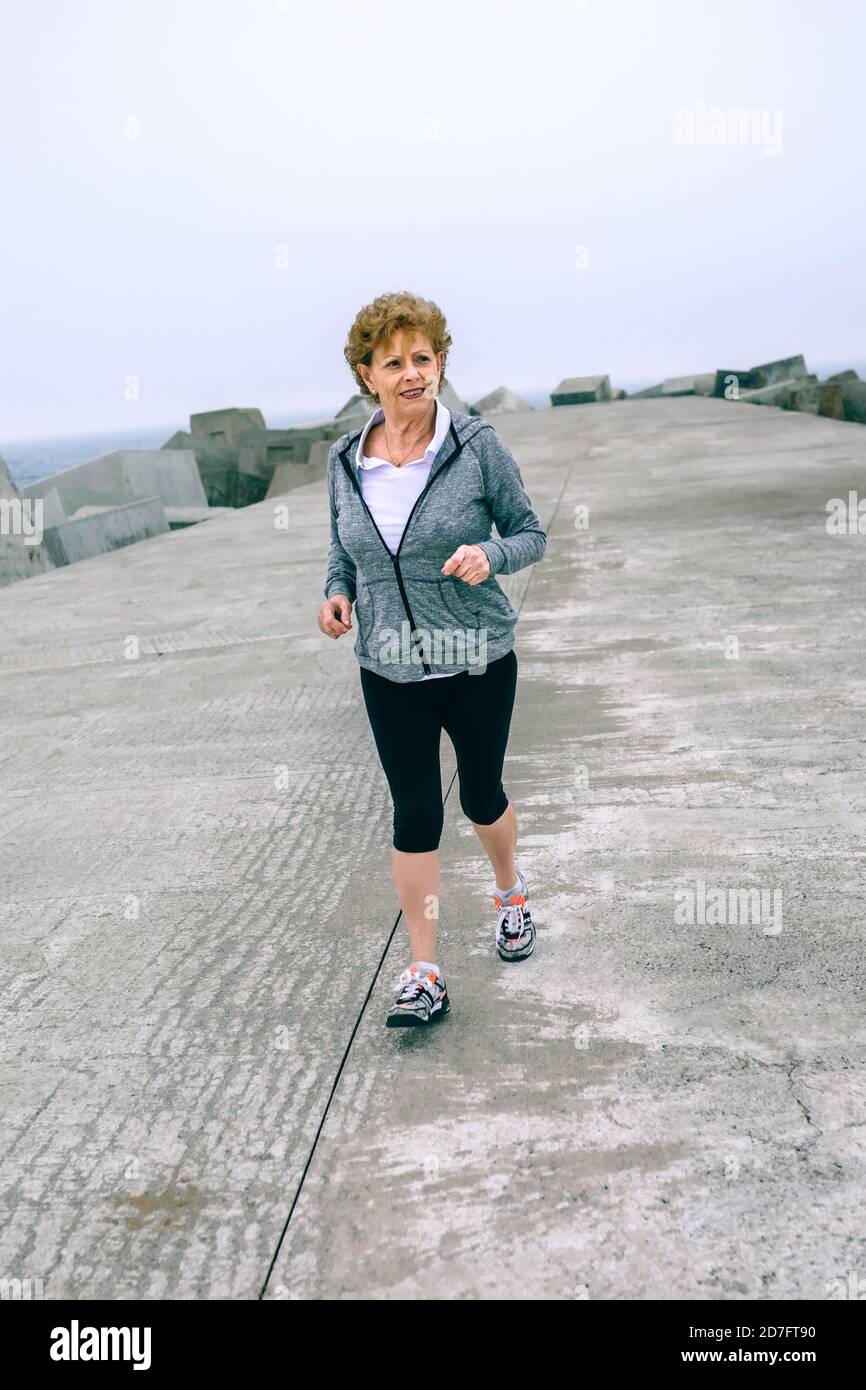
x=484, y=810
x=417, y=828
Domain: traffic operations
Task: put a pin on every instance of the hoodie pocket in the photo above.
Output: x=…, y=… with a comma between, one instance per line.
x=457, y=603
x=479, y=605
x=369, y=608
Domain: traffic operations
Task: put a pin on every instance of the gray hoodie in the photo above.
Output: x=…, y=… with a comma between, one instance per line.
x=413, y=620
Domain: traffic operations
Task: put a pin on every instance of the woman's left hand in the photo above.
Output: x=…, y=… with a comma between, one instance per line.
x=469, y=563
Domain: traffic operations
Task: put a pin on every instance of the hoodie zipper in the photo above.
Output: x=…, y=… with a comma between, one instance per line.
x=395, y=556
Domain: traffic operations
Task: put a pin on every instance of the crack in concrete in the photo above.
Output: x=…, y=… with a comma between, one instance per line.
x=733, y=993
x=819, y=1133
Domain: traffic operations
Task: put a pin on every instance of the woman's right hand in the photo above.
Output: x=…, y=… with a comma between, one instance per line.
x=335, y=616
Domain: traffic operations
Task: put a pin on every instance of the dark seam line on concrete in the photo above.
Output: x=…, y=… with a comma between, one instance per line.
x=377, y=972
x=343, y=1061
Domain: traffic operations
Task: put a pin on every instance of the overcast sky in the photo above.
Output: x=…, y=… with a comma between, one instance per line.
x=200, y=194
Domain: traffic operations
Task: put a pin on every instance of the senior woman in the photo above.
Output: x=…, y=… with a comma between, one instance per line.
x=412, y=497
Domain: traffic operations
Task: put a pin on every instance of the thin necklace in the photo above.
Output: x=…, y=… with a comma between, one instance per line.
x=412, y=446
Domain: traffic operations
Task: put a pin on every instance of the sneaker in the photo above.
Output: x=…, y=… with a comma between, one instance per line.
x=515, y=932
x=420, y=999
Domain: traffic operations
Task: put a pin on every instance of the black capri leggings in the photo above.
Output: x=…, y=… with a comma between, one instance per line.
x=407, y=722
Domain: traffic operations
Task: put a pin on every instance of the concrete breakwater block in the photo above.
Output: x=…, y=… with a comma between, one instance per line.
x=289, y=476
x=449, y=397
x=361, y=406
x=19, y=557
x=222, y=480
x=226, y=427
x=788, y=385
x=170, y=474
x=702, y=384
x=782, y=370
x=101, y=529
x=53, y=509
x=237, y=455
x=500, y=402
x=263, y=451
x=581, y=390
x=64, y=503
x=801, y=393
x=731, y=382
x=843, y=400
x=781, y=393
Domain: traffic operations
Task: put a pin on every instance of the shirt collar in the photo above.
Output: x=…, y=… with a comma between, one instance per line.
x=443, y=420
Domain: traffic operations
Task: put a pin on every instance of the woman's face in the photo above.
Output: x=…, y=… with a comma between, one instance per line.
x=405, y=375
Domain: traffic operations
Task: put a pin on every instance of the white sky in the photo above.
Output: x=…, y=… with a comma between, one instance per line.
x=461, y=150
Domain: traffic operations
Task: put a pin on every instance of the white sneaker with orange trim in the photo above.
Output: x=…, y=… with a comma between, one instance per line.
x=515, y=931
x=421, y=998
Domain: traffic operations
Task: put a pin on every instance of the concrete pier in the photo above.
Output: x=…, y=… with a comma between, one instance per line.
x=199, y=927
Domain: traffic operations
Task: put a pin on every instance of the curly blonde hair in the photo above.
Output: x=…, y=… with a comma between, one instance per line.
x=377, y=323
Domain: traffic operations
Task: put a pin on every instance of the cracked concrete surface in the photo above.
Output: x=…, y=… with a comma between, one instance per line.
x=196, y=902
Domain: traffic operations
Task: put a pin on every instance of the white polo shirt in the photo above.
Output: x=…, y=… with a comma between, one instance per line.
x=392, y=492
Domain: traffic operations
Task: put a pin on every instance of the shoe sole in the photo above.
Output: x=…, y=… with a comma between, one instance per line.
x=408, y=1020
